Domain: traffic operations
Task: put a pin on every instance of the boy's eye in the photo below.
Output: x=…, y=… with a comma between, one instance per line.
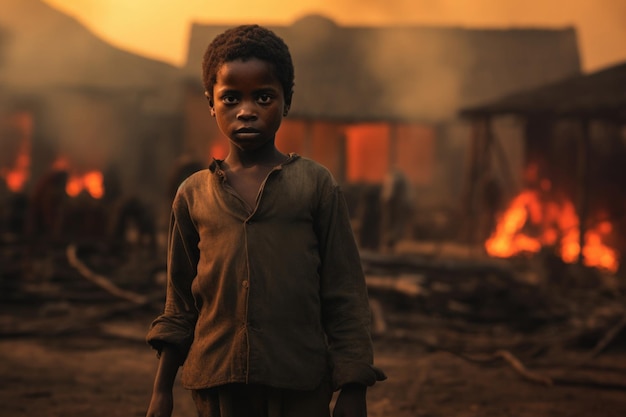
x=229, y=99
x=264, y=98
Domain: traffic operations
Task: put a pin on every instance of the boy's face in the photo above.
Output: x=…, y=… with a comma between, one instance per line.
x=248, y=102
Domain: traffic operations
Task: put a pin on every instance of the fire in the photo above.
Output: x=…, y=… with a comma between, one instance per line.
x=92, y=181
x=17, y=175
x=535, y=220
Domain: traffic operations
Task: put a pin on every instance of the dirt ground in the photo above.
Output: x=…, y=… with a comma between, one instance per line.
x=469, y=347
x=108, y=371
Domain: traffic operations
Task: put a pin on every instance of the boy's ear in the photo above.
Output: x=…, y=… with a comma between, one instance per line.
x=208, y=97
x=288, y=99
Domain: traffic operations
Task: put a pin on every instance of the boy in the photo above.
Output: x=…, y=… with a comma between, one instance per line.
x=266, y=300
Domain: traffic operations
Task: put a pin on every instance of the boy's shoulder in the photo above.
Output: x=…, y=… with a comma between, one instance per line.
x=310, y=167
x=193, y=181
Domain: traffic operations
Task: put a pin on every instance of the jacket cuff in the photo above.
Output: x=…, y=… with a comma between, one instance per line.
x=366, y=375
x=163, y=333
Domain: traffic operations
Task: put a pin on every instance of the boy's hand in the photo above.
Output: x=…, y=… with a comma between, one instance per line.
x=162, y=401
x=161, y=404
x=351, y=402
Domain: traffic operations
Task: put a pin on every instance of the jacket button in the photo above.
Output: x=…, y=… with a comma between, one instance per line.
x=244, y=283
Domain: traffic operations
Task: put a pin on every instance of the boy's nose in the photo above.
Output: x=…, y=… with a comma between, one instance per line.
x=247, y=112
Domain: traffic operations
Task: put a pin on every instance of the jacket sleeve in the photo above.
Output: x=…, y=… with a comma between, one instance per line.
x=345, y=307
x=175, y=326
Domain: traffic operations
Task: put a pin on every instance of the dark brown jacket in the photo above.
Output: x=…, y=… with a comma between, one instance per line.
x=275, y=296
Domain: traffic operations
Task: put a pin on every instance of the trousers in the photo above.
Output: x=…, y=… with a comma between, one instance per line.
x=253, y=400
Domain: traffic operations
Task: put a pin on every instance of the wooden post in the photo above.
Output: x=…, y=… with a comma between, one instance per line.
x=476, y=156
x=583, y=184
x=393, y=146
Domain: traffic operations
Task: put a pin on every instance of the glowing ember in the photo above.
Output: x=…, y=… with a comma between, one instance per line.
x=535, y=220
x=91, y=182
x=17, y=175
x=595, y=252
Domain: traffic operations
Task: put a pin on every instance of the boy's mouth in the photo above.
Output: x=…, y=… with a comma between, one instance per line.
x=247, y=132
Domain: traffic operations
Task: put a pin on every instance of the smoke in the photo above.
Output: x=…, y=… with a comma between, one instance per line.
x=159, y=28
x=603, y=35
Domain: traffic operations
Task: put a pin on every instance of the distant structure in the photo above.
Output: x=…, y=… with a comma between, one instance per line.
x=366, y=99
x=574, y=132
x=371, y=98
x=66, y=94
x=407, y=73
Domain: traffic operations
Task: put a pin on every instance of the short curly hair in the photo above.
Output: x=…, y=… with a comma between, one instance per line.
x=246, y=42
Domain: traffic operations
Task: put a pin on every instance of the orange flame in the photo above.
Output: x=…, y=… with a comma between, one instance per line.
x=92, y=181
x=16, y=176
x=533, y=220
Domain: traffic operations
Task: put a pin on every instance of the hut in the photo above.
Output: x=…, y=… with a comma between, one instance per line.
x=572, y=141
x=370, y=101
x=72, y=102
x=69, y=96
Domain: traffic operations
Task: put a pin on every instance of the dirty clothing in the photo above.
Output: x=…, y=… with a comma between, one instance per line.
x=273, y=296
x=250, y=400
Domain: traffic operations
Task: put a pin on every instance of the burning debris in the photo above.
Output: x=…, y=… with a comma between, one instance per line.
x=16, y=132
x=539, y=218
x=91, y=182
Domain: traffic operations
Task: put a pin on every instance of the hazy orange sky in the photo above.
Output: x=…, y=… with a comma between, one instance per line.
x=159, y=28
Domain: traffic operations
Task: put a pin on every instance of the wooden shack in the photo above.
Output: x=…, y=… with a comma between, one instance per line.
x=372, y=99
x=69, y=96
x=574, y=138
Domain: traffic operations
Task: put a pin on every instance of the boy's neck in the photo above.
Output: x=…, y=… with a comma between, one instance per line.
x=267, y=156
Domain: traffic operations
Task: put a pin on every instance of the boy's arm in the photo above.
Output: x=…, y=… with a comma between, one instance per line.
x=171, y=333
x=345, y=306
x=162, y=401
x=175, y=327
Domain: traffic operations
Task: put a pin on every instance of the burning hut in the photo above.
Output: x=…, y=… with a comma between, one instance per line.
x=71, y=102
x=570, y=197
x=370, y=101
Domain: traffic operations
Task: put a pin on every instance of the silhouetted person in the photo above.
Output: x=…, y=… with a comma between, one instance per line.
x=396, y=209
x=48, y=205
